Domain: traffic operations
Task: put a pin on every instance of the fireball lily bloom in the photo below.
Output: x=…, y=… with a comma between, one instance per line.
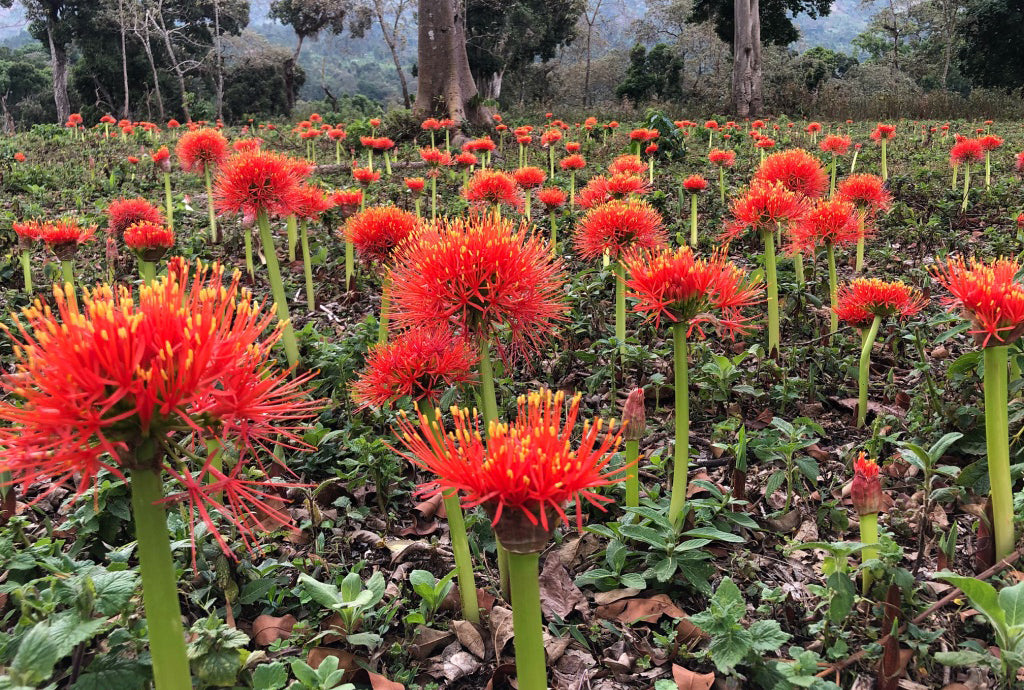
x=836, y=145
x=526, y=179
x=882, y=134
x=989, y=142
x=722, y=159
x=553, y=199
x=694, y=185
x=866, y=494
x=150, y=241
x=868, y=193
x=63, y=237
x=965, y=151
x=990, y=297
x=830, y=223
x=493, y=188
x=688, y=292
x=200, y=151
x=28, y=232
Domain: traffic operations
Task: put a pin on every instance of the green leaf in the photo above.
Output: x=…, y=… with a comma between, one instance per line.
x=843, y=592
x=634, y=580
x=111, y=671
x=774, y=482
x=113, y=589
x=1011, y=601
x=965, y=657
x=305, y=673
x=37, y=654
x=664, y=569
x=273, y=676
x=219, y=668
x=645, y=534
x=942, y=445
x=808, y=467
x=767, y=636
x=68, y=630
x=728, y=649
x=364, y=639
x=615, y=555
x=351, y=587
x=257, y=590
x=712, y=533
x=324, y=594
x=727, y=603
x=983, y=597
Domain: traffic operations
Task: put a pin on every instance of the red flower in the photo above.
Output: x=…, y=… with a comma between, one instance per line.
x=96, y=380
x=763, y=208
x=797, y=170
x=415, y=185
x=529, y=177
x=376, y=231
x=1019, y=164
x=551, y=197
x=132, y=159
x=28, y=231
x=623, y=185
x=835, y=144
x=20, y=157
x=651, y=149
x=966, y=151
x=684, y=289
x=866, y=192
x=866, y=489
x=108, y=120
x=374, y=122
x=695, y=184
x=990, y=142
x=200, y=149
x=124, y=212
x=617, y=227
x=247, y=145
x=813, y=127
x=883, y=132
x=863, y=299
x=573, y=147
x=988, y=296
x=627, y=164
x=311, y=202
x=347, y=200
x=382, y=144
x=421, y=363
x=832, y=222
x=765, y=143
x=435, y=157
x=711, y=124
x=483, y=144
x=431, y=124
x=550, y=137
x=64, y=236
x=573, y=162
x=336, y=134
x=365, y=176
x=528, y=468
x=642, y=134
x=172, y=124
x=492, y=187
x=722, y=158
x=149, y=240
x=258, y=182
x=486, y=276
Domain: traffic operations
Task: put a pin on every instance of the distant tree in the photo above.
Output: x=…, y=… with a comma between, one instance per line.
x=506, y=35
x=819, y=64
x=389, y=14
x=992, y=54
x=657, y=73
x=255, y=79
x=24, y=79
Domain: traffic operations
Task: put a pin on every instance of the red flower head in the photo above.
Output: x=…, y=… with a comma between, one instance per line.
x=1019, y=163
x=684, y=289
x=149, y=240
x=573, y=147
x=247, y=145
x=966, y=151
x=415, y=185
x=883, y=132
x=347, y=201
x=552, y=197
x=108, y=120
x=173, y=124
x=524, y=139
x=315, y=133
x=623, y=185
x=866, y=489
x=835, y=144
x=813, y=127
x=124, y=212
x=484, y=144
x=162, y=159
x=74, y=119
x=594, y=193
x=382, y=144
x=465, y=160
x=200, y=149
x=765, y=143
x=435, y=157
x=627, y=164
x=990, y=142
x=63, y=236
x=549, y=137
x=28, y=231
x=95, y=380
x=484, y=275
x=493, y=188
x=431, y=124
x=258, y=182
x=725, y=159
x=651, y=149
x=422, y=363
x=529, y=471
x=311, y=202
x=695, y=184
x=20, y=157
x=763, y=208
x=573, y=162
x=619, y=226
x=315, y=117
x=863, y=299
x=365, y=176
x=711, y=124
x=797, y=170
x=832, y=222
x=988, y=295
x=377, y=231
x=374, y=122
x=529, y=177
x=132, y=159
x=336, y=134
x=642, y=134
x=866, y=192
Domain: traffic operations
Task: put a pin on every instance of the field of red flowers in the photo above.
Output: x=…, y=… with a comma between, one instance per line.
x=386, y=404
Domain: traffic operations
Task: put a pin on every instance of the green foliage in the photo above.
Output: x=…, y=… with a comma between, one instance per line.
x=431, y=592
x=776, y=17
x=324, y=677
x=352, y=601
x=653, y=74
x=1004, y=611
x=216, y=652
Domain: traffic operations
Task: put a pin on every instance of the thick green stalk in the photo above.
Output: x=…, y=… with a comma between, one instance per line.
x=832, y=181
x=291, y=346
x=554, y=233
x=772, y=287
x=967, y=184
x=433, y=198
x=291, y=224
x=529, y=198
x=864, y=371
x=650, y=169
x=417, y=202
x=885, y=162
x=956, y=169
x=370, y=166
x=721, y=184
x=620, y=307
x=68, y=270
x=387, y=164
x=307, y=265
x=147, y=271
x=868, y=535
x=531, y=666
x=833, y=287
x=489, y=398
x=572, y=189
x=693, y=220
x=681, y=463
x=159, y=584
x=551, y=161
x=997, y=441
x=633, y=478
x=168, y=201
x=350, y=263
x=853, y=161
x=858, y=265
x=385, y=311
x=26, y=269
x=247, y=238
x=337, y=151
x=798, y=268
x=988, y=168
x=209, y=204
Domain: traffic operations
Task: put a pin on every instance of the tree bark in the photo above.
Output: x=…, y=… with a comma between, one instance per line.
x=126, y=108
x=489, y=86
x=178, y=72
x=747, y=77
x=446, y=85
x=391, y=39
x=218, y=61
x=59, y=62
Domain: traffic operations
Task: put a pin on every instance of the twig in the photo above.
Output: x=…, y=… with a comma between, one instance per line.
x=854, y=658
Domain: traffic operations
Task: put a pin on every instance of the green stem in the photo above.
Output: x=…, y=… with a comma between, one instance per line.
x=168, y=201
x=681, y=463
x=967, y=184
x=620, y=307
x=853, y=161
x=858, y=266
x=247, y=238
x=833, y=287
x=307, y=265
x=551, y=161
x=528, y=199
x=997, y=441
x=385, y=311
x=832, y=181
x=416, y=204
x=864, y=371
x=291, y=224
x=956, y=169
x=633, y=478
x=772, y=287
x=350, y=263
x=26, y=269
x=490, y=399
x=147, y=271
x=798, y=268
x=209, y=204
x=988, y=168
x=885, y=163
x=433, y=198
x=554, y=233
x=721, y=184
x=572, y=189
x=159, y=584
x=291, y=347
x=68, y=270
x=337, y=151
x=387, y=164
x=868, y=535
x=693, y=220
x=531, y=666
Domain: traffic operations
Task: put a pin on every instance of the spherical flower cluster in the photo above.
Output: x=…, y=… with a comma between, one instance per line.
x=990, y=142
x=485, y=276
x=835, y=144
x=149, y=240
x=28, y=231
x=493, y=188
x=572, y=162
x=247, y=145
x=829, y=222
x=643, y=134
x=201, y=149
x=435, y=157
x=813, y=127
x=421, y=364
x=618, y=226
x=162, y=159
x=311, y=202
x=863, y=299
x=883, y=132
x=63, y=236
x=695, y=184
x=124, y=212
x=988, y=295
x=415, y=185
x=722, y=158
x=365, y=176
x=627, y=164
x=466, y=160
x=347, y=201
x=797, y=170
x=377, y=231
x=258, y=182
x=763, y=207
x=865, y=191
x=966, y=151
x=551, y=197
x=684, y=289
x=529, y=177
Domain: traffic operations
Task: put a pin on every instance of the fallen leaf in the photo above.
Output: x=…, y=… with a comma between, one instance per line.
x=266, y=628
x=559, y=595
x=375, y=680
x=689, y=680
x=602, y=598
x=428, y=508
x=459, y=665
x=470, y=638
x=501, y=627
x=427, y=640
x=500, y=678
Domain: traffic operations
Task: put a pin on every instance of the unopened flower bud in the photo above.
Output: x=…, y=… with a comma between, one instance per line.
x=866, y=490
x=634, y=418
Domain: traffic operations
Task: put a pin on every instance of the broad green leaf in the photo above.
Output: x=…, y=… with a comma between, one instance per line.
x=665, y=569
x=110, y=671
x=728, y=603
x=634, y=580
x=767, y=636
x=256, y=590
x=843, y=593
x=615, y=555
x=273, y=676
x=351, y=587
x=113, y=589
x=712, y=533
x=983, y=597
x=324, y=594
x=1011, y=601
x=364, y=639
x=37, y=654
x=940, y=447
x=68, y=630
x=730, y=648
x=645, y=534
x=965, y=657
x=305, y=674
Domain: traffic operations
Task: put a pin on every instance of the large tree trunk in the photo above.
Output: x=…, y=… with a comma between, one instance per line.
x=746, y=66
x=126, y=108
x=446, y=85
x=489, y=85
x=59, y=61
x=391, y=38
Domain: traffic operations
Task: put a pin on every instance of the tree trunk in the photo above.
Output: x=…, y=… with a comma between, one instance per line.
x=148, y=48
x=59, y=61
x=289, y=75
x=391, y=39
x=218, y=62
x=174, y=64
x=446, y=85
x=126, y=108
x=489, y=86
x=746, y=67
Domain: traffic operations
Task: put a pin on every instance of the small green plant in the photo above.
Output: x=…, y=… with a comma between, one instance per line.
x=217, y=652
x=352, y=601
x=431, y=591
x=324, y=677
x=782, y=442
